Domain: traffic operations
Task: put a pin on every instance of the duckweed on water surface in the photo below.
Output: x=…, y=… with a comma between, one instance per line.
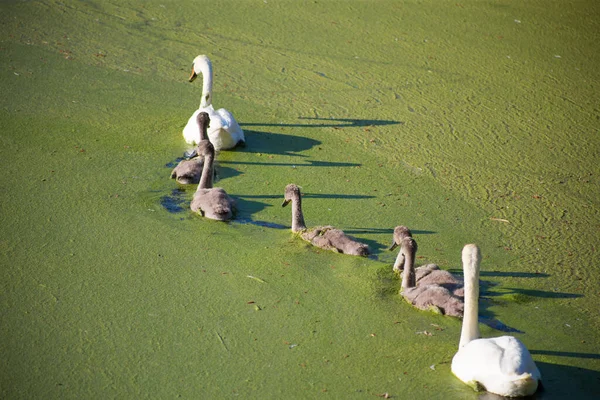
x=467, y=122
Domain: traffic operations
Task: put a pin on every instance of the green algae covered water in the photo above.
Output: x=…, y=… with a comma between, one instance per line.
x=468, y=122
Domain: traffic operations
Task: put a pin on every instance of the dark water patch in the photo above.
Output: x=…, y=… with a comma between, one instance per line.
x=175, y=202
x=175, y=162
x=373, y=257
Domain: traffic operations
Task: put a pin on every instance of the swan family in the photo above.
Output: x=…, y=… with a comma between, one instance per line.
x=500, y=365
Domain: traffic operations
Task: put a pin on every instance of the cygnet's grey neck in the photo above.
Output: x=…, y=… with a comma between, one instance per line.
x=409, y=249
x=297, y=216
x=206, y=181
x=203, y=122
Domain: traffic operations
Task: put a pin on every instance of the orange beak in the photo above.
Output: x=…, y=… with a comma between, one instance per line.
x=193, y=76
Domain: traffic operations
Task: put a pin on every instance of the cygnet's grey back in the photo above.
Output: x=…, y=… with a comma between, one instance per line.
x=328, y=237
x=434, y=297
x=188, y=172
x=213, y=203
x=427, y=296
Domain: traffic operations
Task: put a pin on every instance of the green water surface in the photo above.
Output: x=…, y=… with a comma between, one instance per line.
x=476, y=121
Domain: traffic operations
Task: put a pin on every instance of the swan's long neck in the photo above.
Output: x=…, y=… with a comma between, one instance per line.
x=471, y=258
x=409, y=250
x=205, y=67
x=206, y=181
x=297, y=216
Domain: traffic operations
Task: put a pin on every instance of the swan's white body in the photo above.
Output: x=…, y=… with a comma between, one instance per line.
x=502, y=365
x=223, y=132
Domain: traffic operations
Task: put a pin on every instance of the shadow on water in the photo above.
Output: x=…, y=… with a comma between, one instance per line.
x=498, y=325
x=263, y=224
x=279, y=143
x=225, y=172
x=276, y=143
x=330, y=123
x=523, y=295
x=561, y=382
x=515, y=274
x=513, y=295
x=307, y=163
x=571, y=354
x=246, y=208
x=505, y=274
x=490, y=298
x=317, y=196
x=379, y=231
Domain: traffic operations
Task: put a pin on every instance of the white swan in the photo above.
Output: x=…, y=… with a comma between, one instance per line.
x=502, y=365
x=223, y=132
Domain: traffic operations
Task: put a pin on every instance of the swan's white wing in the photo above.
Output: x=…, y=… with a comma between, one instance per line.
x=229, y=123
x=517, y=360
x=477, y=360
x=223, y=130
x=191, y=131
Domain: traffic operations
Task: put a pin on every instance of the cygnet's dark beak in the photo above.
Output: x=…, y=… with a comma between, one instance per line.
x=285, y=203
x=193, y=76
x=393, y=246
